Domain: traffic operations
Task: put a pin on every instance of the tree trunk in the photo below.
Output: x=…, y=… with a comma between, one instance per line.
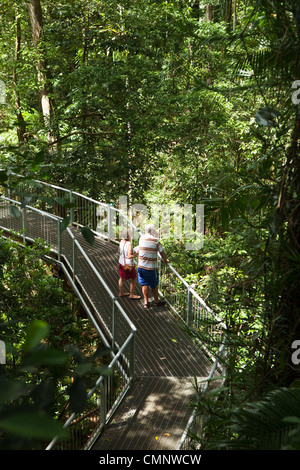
x=208, y=19
x=36, y=21
x=228, y=13
x=234, y=15
x=21, y=128
x=208, y=12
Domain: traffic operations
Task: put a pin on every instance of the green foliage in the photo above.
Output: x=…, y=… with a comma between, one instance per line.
x=40, y=323
x=183, y=102
x=33, y=395
x=29, y=291
x=271, y=423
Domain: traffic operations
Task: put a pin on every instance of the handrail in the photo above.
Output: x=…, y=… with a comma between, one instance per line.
x=110, y=208
x=194, y=293
x=193, y=308
x=186, y=302
x=18, y=203
x=118, y=348
x=135, y=229
x=193, y=417
x=95, y=387
x=92, y=266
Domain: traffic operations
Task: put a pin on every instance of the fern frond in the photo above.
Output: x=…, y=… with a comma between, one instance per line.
x=269, y=424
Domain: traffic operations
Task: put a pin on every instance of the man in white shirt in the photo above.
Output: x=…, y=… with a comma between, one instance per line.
x=149, y=246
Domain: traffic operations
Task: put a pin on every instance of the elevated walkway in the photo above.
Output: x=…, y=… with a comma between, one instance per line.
x=157, y=407
x=156, y=358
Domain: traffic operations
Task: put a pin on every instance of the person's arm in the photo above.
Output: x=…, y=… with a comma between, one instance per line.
x=130, y=254
x=163, y=255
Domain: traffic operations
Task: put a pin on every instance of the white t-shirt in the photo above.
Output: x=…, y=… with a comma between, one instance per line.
x=148, y=248
x=124, y=246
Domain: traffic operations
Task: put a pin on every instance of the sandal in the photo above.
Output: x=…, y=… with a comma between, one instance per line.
x=146, y=305
x=159, y=303
x=136, y=297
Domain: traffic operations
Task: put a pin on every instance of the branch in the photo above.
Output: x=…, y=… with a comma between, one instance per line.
x=60, y=139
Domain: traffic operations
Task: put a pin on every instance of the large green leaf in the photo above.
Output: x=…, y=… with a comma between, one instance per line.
x=64, y=224
x=37, y=331
x=31, y=423
x=267, y=116
x=14, y=212
x=44, y=357
x=78, y=395
x=60, y=200
x=11, y=389
x=88, y=235
x=269, y=424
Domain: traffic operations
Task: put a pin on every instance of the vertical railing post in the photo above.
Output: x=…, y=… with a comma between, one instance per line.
x=108, y=222
x=74, y=259
x=114, y=322
x=71, y=209
x=88, y=223
x=189, y=307
x=159, y=271
x=103, y=402
x=58, y=239
x=24, y=223
x=132, y=357
x=8, y=187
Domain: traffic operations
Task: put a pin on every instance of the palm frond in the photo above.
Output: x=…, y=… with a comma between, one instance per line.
x=270, y=424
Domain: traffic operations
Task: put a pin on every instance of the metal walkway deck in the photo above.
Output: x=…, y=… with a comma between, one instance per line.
x=156, y=408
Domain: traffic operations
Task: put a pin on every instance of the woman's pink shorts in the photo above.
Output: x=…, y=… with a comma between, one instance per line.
x=132, y=274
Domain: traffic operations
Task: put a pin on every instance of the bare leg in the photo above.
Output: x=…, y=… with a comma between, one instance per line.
x=121, y=287
x=157, y=302
x=155, y=293
x=132, y=287
x=145, y=290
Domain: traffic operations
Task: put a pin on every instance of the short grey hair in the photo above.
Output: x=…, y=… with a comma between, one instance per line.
x=126, y=234
x=149, y=228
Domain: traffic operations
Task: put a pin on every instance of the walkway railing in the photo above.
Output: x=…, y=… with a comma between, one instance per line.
x=107, y=221
x=208, y=330
x=117, y=332
x=77, y=209
x=192, y=310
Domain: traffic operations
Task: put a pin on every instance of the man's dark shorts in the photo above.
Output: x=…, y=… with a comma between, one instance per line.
x=148, y=277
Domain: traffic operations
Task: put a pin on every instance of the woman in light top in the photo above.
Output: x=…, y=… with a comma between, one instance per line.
x=127, y=269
